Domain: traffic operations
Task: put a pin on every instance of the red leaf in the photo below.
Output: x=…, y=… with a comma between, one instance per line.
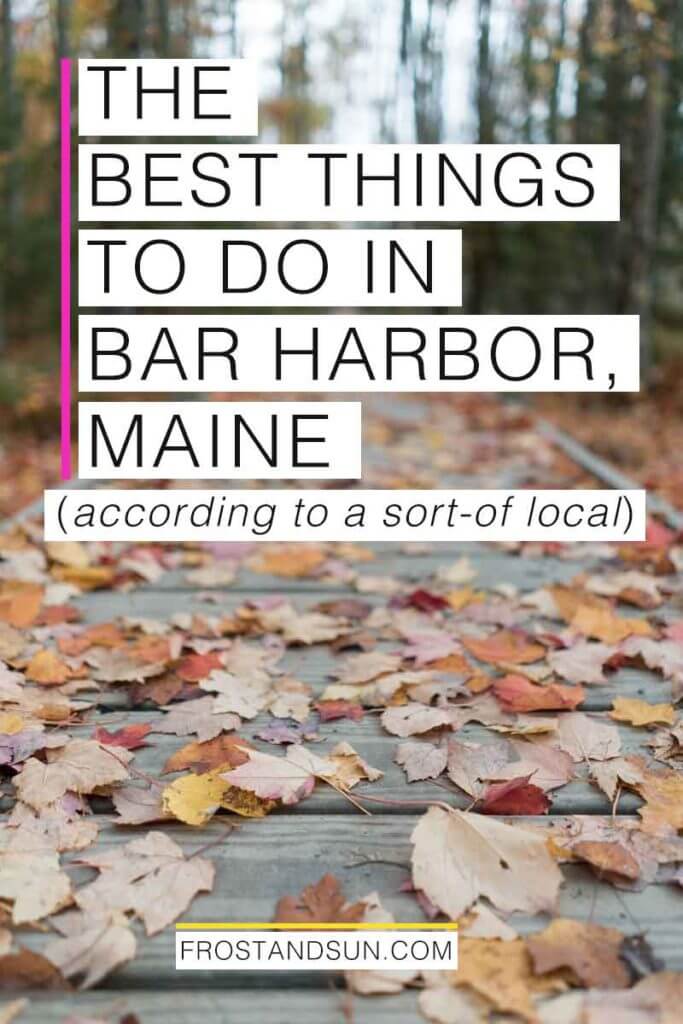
x=518, y=694
x=130, y=736
x=517, y=796
x=194, y=667
x=421, y=599
x=329, y=710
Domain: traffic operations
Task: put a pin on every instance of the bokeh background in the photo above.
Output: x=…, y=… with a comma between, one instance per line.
x=388, y=71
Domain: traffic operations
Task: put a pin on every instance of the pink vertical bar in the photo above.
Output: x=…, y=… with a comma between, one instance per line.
x=65, y=262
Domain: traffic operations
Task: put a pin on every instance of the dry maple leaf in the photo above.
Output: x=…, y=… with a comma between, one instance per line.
x=222, y=751
x=238, y=696
x=589, y=950
x=585, y=737
x=638, y=712
x=604, y=624
x=47, y=669
x=80, y=766
x=293, y=563
x=516, y=796
x=470, y=763
x=501, y=973
x=410, y=719
x=350, y=767
x=363, y=668
x=131, y=737
x=60, y=827
x=149, y=876
x=199, y=717
x=582, y=663
x=28, y=970
x=97, y=948
x=288, y=779
x=34, y=882
x=421, y=760
x=517, y=693
x=194, y=799
x=515, y=648
x=320, y=903
x=459, y=857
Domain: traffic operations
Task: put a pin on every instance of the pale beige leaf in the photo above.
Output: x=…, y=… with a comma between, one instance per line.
x=459, y=857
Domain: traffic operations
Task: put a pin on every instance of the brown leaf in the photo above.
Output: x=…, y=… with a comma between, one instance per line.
x=501, y=973
x=222, y=751
x=26, y=970
x=319, y=903
x=589, y=950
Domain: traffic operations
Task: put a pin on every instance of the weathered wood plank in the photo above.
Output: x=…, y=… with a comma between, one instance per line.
x=378, y=748
x=222, y=1007
x=316, y=664
x=265, y=859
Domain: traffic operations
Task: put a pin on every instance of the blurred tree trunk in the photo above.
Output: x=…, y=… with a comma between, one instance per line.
x=584, y=75
x=125, y=28
x=163, y=30
x=557, y=57
x=635, y=285
x=8, y=126
x=484, y=244
x=233, y=33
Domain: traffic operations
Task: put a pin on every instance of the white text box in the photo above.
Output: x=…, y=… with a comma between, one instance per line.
x=213, y=267
x=414, y=183
x=219, y=440
x=376, y=352
x=193, y=97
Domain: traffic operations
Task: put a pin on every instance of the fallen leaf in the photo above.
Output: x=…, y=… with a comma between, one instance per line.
x=421, y=760
x=504, y=646
x=28, y=970
x=96, y=950
x=273, y=778
x=517, y=796
x=582, y=663
x=516, y=693
x=199, y=717
x=501, y=974
x=47, y=669
x=638, y=712
x=34, y=882
x=194, y=799
x=131, y=737
x=80, y=766
x=604, y=624
x=459, y=857
x=589, y=950
x=222, y=751
x=321, y=903
x=410, y=719
x=149, y=876
x=585, y=737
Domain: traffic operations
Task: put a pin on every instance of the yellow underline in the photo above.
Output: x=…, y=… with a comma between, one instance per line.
x=314, y=926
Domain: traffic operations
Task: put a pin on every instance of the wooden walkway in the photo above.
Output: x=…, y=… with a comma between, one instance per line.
x=264, y=859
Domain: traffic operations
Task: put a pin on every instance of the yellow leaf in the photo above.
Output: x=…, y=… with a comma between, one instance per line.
x=47, y=669
x=639, y=712
x=194, y=799
x=604, y=624
x=11, y=724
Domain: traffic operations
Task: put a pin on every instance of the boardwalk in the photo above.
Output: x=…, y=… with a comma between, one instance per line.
x=262, y=860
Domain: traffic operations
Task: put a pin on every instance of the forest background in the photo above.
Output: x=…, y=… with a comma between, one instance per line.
x=429, y=71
